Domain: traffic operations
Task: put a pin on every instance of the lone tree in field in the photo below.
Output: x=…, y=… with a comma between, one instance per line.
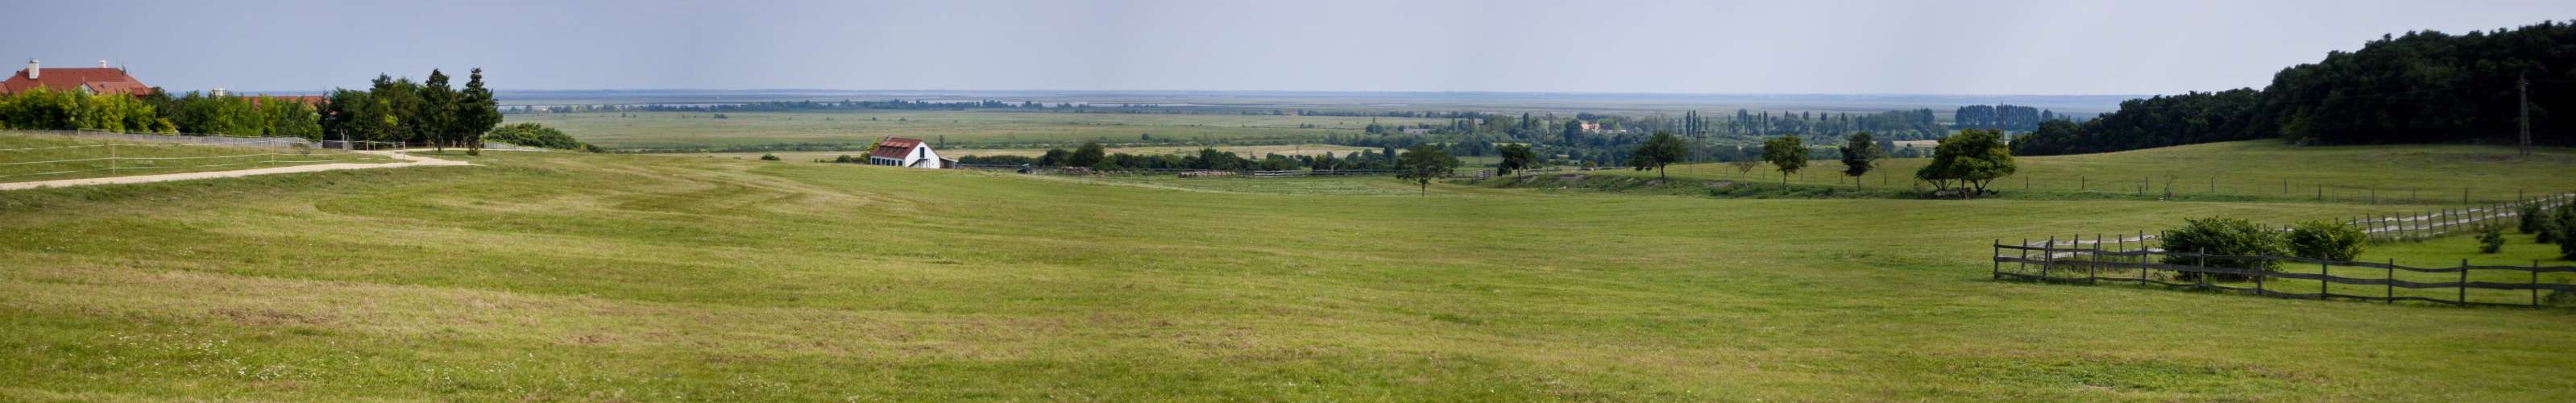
x=1516, y=158
x=1972, y=158
x=1661, y=150
x=1786, y=152
x=1860, y=154
x=1424, y=162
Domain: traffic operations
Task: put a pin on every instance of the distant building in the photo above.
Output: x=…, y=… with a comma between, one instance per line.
x=910, y=153
x=1414, y=130
x=1591, y=127
x=102, y=80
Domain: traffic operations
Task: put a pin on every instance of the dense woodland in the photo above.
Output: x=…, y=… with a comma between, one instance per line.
x=2421, y=87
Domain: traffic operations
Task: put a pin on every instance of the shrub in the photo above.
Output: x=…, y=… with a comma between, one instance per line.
x=2544, y=223
x=2222, y=236
x=2491, y=239
x=2533, y=218
x=2561, y=224
x=2326, y=240
x=769, y=157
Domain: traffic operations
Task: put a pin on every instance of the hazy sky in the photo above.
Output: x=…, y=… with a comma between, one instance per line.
x=1917, y=47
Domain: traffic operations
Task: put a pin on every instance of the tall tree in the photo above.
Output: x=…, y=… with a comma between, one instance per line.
x=1423, y=163
x=434, y=118
x=1658, y=151
x=1787, y=153
x=476, y=113
x=1860, y=153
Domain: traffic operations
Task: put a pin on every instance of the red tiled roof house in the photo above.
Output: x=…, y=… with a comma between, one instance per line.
x=910, y=153
x=101, y=80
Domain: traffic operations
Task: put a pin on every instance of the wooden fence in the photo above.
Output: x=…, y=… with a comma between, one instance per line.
x=2384, y=228
x=2093, y=264
x=2438, y=223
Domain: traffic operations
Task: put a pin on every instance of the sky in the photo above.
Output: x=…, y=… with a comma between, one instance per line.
x=1765, y=47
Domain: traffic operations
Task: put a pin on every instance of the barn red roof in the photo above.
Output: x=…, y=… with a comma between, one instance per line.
x=895, y=148
x=64, y=79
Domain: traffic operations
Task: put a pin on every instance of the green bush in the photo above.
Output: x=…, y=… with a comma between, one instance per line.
x=2533, y=218
x=769, y=157
x=2223, y=236
x=2561, y=223
x=2326, y=240
x=2544, y=225
x=2491, y=239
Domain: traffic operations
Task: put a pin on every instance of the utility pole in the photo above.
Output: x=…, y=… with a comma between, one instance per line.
x=2522, y=84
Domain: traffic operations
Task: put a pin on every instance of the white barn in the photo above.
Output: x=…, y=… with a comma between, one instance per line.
x=910, y=153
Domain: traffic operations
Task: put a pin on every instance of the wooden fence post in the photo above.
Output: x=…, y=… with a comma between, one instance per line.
x=2535, y=283
x=2464, y=282
x=2259, y=274
x=2142, y=258
x=1999, y=263
x=2022, y=265
x=2202, y=262
x=2392, y=281
x=2325, y=282
x=2047, y=258
x=2093, y=266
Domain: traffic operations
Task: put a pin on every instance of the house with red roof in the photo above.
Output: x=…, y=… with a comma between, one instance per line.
x=910, y=153
x=102, y=80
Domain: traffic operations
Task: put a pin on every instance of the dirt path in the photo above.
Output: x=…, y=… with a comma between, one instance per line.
x=408, y=160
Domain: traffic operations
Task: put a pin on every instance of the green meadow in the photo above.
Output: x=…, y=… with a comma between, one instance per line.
x=565, y=276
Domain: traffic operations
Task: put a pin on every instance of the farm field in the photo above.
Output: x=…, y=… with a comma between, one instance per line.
x=43, y=157
x=2244, y=170
x=726, y=279
x=961, y=129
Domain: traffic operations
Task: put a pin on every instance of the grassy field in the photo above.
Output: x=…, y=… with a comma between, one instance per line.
x=42, y=157
x=959, y=129
x=721, y=279
x=2245, y=170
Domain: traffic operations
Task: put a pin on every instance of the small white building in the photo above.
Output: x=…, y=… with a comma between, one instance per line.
x=910, y=153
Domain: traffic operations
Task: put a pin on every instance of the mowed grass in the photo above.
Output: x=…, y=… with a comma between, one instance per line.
x=42, y=157
x=2245, y=170
x=564, y=276
x=959, y=129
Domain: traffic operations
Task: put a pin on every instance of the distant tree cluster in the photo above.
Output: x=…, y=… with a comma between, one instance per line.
x=2421, y=87
x=2000, y=117
x=536, y=135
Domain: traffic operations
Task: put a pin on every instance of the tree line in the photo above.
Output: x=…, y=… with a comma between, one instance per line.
x=2420, y=87
x=158, y=112
x=393, y=110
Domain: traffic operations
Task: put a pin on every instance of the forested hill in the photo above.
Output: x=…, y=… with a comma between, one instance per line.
x=2421, y=87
